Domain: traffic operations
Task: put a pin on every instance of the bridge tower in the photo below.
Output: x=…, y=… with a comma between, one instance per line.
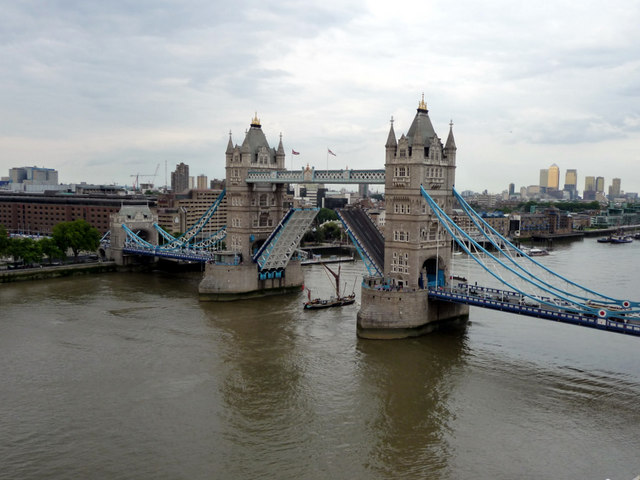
x=140, y=219
x=417, y=251
x=253, y=211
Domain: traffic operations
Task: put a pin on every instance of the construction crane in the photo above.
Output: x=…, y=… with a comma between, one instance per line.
x=136, y=182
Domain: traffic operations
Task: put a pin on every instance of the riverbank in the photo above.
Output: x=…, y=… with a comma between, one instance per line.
x=55, y=271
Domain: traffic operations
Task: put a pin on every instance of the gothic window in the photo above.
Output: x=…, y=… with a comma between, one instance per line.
x=264, y=219
x=263, y=200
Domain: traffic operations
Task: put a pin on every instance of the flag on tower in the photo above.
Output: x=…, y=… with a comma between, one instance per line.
x=329, y=151
x=293, y=152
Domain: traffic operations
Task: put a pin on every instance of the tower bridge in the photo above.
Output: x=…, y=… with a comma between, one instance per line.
x=408, y=289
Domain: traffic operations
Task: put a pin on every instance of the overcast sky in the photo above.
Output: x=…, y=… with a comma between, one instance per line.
x=102, y=90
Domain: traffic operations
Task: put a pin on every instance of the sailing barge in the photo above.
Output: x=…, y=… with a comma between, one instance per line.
x=335, y=301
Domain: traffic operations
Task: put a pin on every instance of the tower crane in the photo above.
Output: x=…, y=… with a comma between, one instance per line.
x=136, y=182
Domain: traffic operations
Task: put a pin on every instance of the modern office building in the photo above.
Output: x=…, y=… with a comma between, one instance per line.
x=600, y=184
x=180, y=178
x=614, y=189
x=553, y=177
x=202, y=182
x=589, y=184
x=544, y=179
x=571, y=183
x=34, y=175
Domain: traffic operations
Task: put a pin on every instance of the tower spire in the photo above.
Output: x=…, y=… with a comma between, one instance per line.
x=256, y=121
x=422, y=106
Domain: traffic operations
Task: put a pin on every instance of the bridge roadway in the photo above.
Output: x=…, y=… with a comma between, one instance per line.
x=514, y=302
x=366, y=233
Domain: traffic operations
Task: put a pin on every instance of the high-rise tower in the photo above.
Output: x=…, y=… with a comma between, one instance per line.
x=571, y=182
x=180, y=178
x=553, y=180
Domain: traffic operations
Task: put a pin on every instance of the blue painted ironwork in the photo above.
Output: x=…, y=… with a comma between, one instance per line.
x=279, y=247
x=588, y=307
x=485, y=229
x=370, y=264
x=513, y=302
x=186, y=237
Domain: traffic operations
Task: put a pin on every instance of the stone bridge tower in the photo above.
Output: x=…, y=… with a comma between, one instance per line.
x=417, y=251
x=253, y=211
x=138, y=218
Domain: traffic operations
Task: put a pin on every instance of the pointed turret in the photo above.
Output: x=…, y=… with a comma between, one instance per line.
x=280, y=154
x=280, y=147
x=451, y=143
x=391, y=138
x=229, y=145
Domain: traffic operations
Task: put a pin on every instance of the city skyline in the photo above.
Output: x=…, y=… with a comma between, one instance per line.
x=101, y=91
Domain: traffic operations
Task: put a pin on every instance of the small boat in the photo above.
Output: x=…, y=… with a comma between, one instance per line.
x=604, y=240
x=535, y=252
x=318, y=303
x=335, y=301
x=621, y=239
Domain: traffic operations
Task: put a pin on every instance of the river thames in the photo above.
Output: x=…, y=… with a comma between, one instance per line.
x=129, y=376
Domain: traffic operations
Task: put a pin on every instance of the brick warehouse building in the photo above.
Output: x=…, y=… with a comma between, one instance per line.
x=38, y=214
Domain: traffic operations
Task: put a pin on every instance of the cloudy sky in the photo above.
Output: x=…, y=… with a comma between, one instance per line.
x=102, y=90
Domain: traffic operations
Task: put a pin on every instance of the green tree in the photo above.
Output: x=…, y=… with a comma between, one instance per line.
x=331, y=231
x=50, y=248
x=326, y=214
x=4, y=240
x=26, y=249
x=78, y=236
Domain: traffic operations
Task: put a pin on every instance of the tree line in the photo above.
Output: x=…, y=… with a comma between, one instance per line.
x=76, y=236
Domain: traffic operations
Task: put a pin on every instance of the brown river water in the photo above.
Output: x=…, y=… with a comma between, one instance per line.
x=129, y=376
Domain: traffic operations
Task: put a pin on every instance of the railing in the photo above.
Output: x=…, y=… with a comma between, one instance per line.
x=514, y=302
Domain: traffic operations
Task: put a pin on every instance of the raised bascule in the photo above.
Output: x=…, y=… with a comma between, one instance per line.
x=409, y=288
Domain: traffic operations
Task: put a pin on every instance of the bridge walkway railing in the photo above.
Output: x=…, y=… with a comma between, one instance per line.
x=514, y=302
